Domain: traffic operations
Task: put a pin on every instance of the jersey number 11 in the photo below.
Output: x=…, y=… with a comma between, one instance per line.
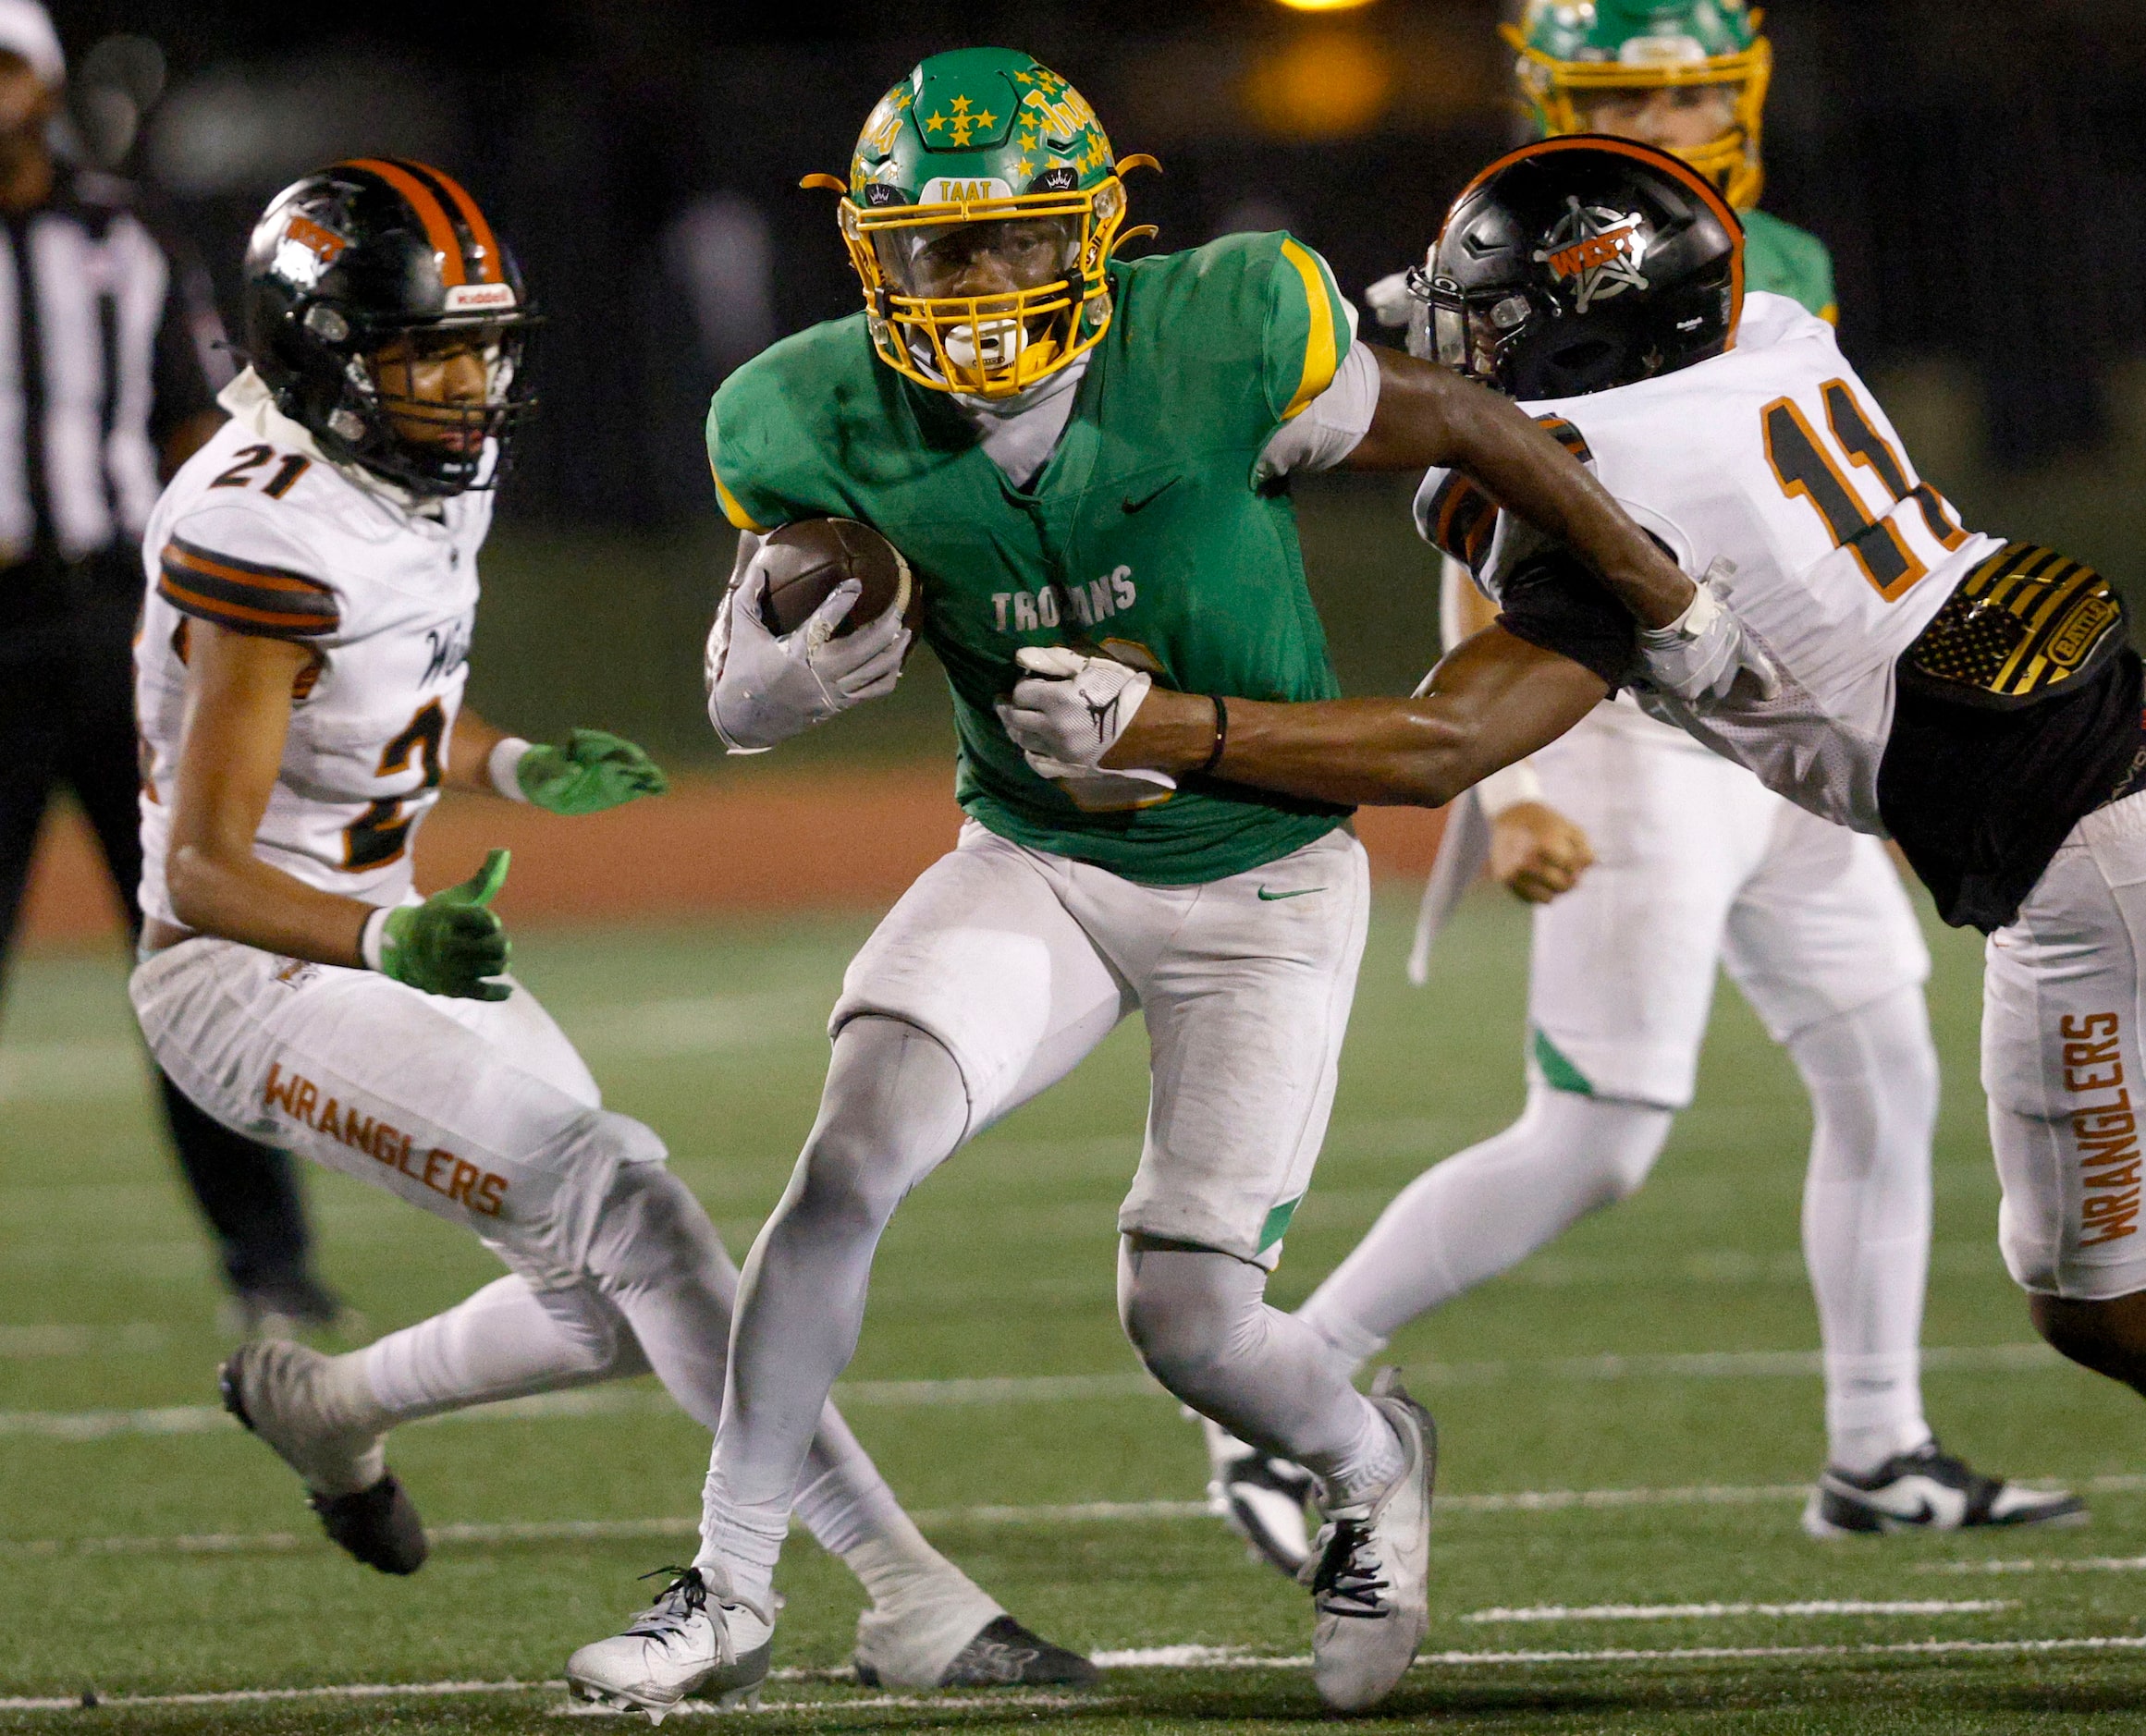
x=1804, y=465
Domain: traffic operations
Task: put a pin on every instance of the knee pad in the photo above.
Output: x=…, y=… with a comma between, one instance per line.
x=1184, y=1308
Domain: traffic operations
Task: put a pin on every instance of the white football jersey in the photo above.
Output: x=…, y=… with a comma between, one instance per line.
x=260, y=533
x=1774, y=459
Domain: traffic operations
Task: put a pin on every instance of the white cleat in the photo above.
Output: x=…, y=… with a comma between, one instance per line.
x=1369, y=1571
x=1259, y=1497
x=692, y=1640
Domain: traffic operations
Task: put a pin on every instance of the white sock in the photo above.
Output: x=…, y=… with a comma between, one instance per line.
x=846, y=1505
x=504, y=1342
x=1483, y=1210
x=1872, y=1078
x=894, y=1108
x=1372, y=1460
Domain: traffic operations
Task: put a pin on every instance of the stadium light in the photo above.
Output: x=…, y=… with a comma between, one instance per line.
x=1330, y=84
x=1323, y=5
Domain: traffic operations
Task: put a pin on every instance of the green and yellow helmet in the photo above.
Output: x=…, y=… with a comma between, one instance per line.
x=1571, y=50
x=981, y=136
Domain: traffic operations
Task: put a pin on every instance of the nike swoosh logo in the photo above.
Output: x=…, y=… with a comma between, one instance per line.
x=1132, y=503
x=1302, y=892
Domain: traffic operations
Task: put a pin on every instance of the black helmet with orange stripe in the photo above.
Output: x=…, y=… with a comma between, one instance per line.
x=356, y=275
x=1580, y=263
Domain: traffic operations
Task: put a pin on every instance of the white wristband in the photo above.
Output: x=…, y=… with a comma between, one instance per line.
x=370, y=936
x=501, y=764
x=1507, y=787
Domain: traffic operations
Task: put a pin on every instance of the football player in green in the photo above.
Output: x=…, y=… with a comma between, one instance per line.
x=1075, y=451
x=1653, y=864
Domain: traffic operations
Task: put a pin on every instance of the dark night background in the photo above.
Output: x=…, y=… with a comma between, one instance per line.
x=1979, y=170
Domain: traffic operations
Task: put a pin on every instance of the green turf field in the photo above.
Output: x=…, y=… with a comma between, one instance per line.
x=1661, y=1357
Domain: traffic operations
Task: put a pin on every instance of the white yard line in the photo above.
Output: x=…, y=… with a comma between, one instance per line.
x=1146, y=1658
x=195, y=1419
x=126, y=1337
x=2082, y=1564
x=1073, y=1513
x=1715, y=1612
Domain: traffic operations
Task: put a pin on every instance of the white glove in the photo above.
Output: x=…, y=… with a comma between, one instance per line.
x=1388, y=299
x=1700, y=653
x=1068, y=713
x=763, y=690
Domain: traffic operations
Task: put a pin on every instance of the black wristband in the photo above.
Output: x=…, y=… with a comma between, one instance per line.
x=1214, y=756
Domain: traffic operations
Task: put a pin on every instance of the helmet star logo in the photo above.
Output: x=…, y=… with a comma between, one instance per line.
x=960, y=106
x=1596, y=250
x=935, y=120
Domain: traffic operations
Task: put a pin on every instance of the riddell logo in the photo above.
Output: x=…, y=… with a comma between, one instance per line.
x=1597, y=250
x=477, y=298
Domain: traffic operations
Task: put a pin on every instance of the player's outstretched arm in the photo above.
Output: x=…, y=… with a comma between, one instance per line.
x=1495, y=699
x=590, y=771
x=1431, y=418
x=237, y=716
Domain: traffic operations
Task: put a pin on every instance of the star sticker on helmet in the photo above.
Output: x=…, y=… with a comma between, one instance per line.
x=935, y=120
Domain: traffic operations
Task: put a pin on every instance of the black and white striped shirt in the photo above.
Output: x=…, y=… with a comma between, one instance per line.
x=108, y=341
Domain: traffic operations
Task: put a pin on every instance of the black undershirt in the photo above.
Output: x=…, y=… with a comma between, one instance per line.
x=1977, y=800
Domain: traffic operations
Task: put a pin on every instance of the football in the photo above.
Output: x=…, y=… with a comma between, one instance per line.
x=806, y=561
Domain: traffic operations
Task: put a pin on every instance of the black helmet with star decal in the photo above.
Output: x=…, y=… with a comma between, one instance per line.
x=1580, y=263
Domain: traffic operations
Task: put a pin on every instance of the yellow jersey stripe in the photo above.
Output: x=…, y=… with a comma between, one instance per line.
x=1321, y=356
x=731, y=509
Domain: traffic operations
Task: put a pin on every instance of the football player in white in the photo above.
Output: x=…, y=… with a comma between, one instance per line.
x=1847, y=639
x=311, y=591
x=1652, y=863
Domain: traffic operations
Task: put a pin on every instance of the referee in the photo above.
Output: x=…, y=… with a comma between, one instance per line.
x=105, y=336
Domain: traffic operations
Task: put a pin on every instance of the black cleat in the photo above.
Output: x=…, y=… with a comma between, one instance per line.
x=1006, y=1654
x=1930, y=1489
x=379, y=1525
x=273, y=1387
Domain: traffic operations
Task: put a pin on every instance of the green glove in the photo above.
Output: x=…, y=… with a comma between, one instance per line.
x=452, y=942
x=593, y=772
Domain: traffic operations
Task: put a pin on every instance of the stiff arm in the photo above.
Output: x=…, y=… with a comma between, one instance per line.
x=1429, y=418
x=1495, y=699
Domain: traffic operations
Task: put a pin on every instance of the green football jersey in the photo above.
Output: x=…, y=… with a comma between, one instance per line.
x=1785, y=261
x=1144, y=536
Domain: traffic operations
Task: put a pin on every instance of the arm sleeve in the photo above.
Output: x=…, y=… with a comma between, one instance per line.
x=1308, y=330
x=1330, y=426
x=1554, y=602
x=231, y=568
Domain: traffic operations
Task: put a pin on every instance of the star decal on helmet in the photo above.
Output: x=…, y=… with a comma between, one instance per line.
x=1595, y=249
